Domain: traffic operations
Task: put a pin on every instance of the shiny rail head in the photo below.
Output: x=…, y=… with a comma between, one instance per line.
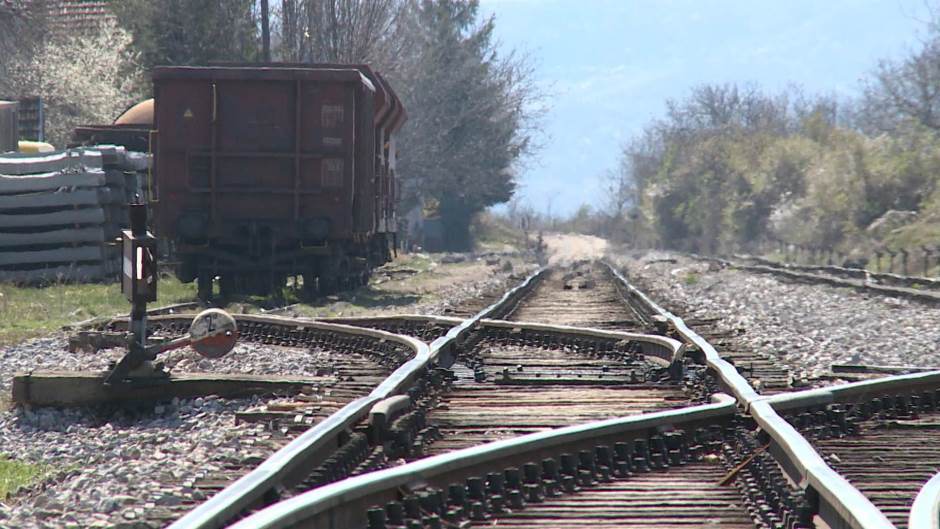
x=235, y=498
x=925, y=513
x=842, y=504
x=351, y=495
x=730, y=377
x=854, y=391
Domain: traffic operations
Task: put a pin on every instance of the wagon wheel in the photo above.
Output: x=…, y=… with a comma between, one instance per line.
x=204, y=286
x=309, y=290
x=229, y=286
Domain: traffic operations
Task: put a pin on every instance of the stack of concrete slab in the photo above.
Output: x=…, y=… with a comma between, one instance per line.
x=60, y=213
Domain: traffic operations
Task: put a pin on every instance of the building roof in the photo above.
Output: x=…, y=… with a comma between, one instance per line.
x=79, y=14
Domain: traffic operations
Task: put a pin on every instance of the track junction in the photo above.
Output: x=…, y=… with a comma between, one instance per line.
x=571, y=400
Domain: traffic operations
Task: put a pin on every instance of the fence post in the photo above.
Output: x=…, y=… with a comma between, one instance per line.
x=877, y=261
x=904, y=269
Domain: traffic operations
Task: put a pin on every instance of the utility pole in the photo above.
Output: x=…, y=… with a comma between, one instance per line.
x=265, y=31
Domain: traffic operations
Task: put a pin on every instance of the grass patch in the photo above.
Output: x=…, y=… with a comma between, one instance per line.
x=407, y=280
x=691, y=279
x=421, y=262
x=27, y=312
x=490, y=233
x=15, y=475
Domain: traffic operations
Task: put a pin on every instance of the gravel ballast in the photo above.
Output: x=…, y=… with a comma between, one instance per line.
x=108, y=468
x=807, y=327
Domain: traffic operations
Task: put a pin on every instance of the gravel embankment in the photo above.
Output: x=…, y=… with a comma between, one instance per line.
x=108, y=468
x=808, y=327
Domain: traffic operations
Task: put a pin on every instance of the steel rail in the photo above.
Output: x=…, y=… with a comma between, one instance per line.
x=664, y=348
x=732, y=381
x=166, y=309
x=289, y=462
x=861, y=285
x=853, y=391
x=343, y=504
x=841, y=504
x=854, y=273
x=660, y=347
x=419, y=318
x=925, y=513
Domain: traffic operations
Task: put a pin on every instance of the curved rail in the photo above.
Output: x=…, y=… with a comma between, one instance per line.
x=343, y=504
x=285, y=464
x=664, y=348
x=925, y=513
x=732, y=381
x=310, y=445
x=841, y=505
x=853, y=391
x=926, y=510
x=365, y=320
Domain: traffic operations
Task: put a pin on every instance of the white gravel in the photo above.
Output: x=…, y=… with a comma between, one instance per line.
x=108, y=468
x=808, y=327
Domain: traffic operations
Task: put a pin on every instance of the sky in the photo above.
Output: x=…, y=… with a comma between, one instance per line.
x=609, y=66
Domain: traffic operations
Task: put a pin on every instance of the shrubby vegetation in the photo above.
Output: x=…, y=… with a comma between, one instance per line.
x=730, y=168
x=798, y=175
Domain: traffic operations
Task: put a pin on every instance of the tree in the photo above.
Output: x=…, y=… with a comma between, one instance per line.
x=907, y=89
x=471, y=115
x=86, y=77
x=344, y=31
x=181, y=32
x=23, y=25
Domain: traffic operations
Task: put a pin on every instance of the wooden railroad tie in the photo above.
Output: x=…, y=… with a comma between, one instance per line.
x=87, y=388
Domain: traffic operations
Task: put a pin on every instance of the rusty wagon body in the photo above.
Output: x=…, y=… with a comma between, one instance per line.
x=265, y=172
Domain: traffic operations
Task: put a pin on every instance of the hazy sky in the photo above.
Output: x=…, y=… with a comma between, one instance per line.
x=610, y=65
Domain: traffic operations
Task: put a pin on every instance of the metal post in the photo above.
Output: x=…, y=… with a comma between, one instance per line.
x=138, y=218
x=904, y=269
x=265, y=31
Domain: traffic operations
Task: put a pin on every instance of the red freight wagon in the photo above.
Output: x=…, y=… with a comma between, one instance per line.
x=265, y=172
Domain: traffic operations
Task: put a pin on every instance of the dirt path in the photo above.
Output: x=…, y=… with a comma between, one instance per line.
x=568, y=247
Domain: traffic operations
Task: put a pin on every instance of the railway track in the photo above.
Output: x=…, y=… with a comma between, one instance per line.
x=880, y=435
x=508, y=377
x=508, y=380
x=766, y=374
x=586, y=295
x=922, y=289
x=446, y=450
x=348, y=363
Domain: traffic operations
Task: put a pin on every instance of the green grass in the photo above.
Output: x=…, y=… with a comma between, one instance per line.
x=15, y=474
x=493, y=234
x=421, y=262
x=26, y=312
x=691, y=279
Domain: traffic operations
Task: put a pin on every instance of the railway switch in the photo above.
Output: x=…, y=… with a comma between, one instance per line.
x=212, y=333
